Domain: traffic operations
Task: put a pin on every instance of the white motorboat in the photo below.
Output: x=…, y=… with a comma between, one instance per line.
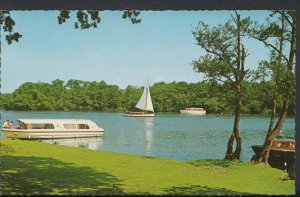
x=53, y=128
x=193, y=111
x=144, y=106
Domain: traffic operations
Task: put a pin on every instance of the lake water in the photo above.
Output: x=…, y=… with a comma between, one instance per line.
x=175, y=136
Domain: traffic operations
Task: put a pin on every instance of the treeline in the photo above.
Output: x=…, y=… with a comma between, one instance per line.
x=77, y=95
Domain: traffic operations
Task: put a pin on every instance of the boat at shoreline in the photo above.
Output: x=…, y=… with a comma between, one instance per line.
x=193, y=111
x=282, y=153
x=53, y=129
x=144, y=107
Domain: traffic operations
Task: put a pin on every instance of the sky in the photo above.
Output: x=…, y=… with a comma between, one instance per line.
x=159, y=49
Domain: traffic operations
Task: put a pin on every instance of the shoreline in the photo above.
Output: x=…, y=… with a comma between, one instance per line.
x=157, y=113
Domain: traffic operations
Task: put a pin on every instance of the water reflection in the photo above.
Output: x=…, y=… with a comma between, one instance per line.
x=90, y=143
x=148, y=123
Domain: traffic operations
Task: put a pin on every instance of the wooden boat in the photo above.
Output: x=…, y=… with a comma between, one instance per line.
x=144, y=107
x=53, y=128
x=282, y=153
x=193, y=111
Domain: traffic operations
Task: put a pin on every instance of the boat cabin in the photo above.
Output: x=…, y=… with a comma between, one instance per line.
x=283, y=144
x=49, y=124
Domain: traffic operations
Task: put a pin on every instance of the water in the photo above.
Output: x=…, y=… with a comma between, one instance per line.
x=175, y=136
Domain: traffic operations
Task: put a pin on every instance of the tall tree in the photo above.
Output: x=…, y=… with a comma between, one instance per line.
x=279, y=34
x=225, y=61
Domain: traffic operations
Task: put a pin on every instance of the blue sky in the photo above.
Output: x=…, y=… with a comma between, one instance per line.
x=160, y=48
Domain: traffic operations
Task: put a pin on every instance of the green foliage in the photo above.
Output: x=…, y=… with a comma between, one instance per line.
x=132, y=15
x=8, y=27
x=279, y=35
x=84, y=20
x=222, y=61
x=77, y=95
x=91, y=18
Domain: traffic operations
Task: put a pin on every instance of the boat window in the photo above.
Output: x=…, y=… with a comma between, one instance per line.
x=23, y=126
x=48, y=126
x=70, y=126
x=83, y=126
x=41, y=126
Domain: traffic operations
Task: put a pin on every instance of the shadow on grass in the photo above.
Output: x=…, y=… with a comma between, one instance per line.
x=200, y=190
x=211, y=162
x=37, y=176
x=149, y=157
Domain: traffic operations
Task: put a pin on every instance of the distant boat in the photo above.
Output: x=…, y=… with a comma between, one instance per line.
x=193, y=111
x=53, y=128
x=144, y=108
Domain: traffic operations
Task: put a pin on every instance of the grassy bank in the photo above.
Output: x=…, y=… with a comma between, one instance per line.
x=31, y=167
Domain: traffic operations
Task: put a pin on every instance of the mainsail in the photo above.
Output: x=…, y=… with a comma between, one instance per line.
x=145, y=102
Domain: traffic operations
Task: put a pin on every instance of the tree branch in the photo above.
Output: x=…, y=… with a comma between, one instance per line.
x=287, y=19
x=220, y=56
x=273, y=47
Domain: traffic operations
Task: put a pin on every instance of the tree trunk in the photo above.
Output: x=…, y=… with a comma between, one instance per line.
x=229, y=152
x=239, y=73
x=263, y=157
x=230, y=155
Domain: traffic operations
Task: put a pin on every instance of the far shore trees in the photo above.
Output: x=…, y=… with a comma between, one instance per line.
x=225, y=62
x=279, y=34
x=167, y=97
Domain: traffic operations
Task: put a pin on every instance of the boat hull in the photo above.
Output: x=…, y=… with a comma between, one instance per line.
x=138, y=115
x=17, y=134
x=277, y=158
x=192, y=112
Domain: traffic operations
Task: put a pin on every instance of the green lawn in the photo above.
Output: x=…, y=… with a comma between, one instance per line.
x=32, y=167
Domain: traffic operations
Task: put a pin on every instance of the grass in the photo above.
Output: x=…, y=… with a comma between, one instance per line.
x=37, y=168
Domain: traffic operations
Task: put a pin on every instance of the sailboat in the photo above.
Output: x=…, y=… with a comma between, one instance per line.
x=144, y=106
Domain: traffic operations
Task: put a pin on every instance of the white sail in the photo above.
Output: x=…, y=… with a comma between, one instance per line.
x=145, y=102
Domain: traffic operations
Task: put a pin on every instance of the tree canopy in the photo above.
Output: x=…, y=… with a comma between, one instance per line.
x=224, y=61
x=77, y=95
x=84, y=20
x=279, y=35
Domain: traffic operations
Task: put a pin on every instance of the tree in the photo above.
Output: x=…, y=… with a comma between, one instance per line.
x=84, y=20
x=8, y=27
x=279, y=34
x=225, y=62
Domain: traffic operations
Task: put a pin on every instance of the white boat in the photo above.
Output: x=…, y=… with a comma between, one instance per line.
x=53, y=128
x=144, y=106
x=193, y=111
